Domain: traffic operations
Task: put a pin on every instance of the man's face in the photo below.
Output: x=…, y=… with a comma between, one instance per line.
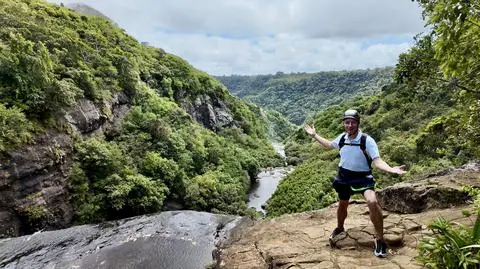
x=351, y=126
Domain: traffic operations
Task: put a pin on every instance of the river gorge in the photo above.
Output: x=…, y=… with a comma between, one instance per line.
x=172, y=239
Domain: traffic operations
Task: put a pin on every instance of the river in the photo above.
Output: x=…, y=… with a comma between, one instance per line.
x=267, y=182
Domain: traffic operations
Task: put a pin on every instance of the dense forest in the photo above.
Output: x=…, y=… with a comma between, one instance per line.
x=298, y=95
x=51, y=58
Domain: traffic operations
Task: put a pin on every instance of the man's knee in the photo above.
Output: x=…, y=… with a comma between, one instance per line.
x=343, y=204
x=370, y=197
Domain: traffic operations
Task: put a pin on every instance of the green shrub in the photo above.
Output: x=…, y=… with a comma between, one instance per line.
x=15, y=129
x=135, y=194
x=452, y=246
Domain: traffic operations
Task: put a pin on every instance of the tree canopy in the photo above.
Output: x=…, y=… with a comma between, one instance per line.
x=298, y=95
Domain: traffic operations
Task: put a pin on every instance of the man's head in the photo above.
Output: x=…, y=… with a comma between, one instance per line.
x=351, y=121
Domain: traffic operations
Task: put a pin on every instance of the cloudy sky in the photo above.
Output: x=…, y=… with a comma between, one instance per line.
x=224, y=37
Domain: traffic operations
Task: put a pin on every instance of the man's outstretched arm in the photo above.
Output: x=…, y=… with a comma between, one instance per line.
x=327, y=144
x=382, y=165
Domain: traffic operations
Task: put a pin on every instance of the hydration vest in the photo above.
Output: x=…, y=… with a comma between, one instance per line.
x=362, y=145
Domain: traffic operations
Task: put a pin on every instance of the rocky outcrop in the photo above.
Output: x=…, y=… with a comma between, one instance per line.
x=211, y=112
x=301, y=240
x=443, y=190
x=33, y=191
x=33, y=179
x=183, y=239
x=87, y=117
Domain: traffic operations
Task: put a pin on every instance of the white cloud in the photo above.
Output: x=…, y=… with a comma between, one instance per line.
x=266, y=36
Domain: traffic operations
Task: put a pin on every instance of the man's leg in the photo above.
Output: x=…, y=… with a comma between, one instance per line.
x=377, y=220
x=344, y=196
x=375, y=212
x=342, y=213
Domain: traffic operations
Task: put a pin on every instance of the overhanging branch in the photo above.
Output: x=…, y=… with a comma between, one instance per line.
x=455, y=83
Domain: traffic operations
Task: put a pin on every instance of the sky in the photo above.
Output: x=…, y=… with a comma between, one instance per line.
x=247, y=37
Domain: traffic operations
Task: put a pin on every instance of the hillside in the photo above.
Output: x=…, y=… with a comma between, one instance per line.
x=95, y=126
x=299, y=95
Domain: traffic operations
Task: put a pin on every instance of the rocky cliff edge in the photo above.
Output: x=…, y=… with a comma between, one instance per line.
x=301, y=240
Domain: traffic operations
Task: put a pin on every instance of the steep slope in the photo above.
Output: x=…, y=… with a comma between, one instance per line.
x=297, y=96
x=96, y=126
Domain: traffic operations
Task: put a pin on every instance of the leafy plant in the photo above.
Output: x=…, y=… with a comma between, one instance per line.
x=452, y=246
x=15, y=129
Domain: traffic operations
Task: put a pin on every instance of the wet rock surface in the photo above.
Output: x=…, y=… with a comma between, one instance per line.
x=175, y=239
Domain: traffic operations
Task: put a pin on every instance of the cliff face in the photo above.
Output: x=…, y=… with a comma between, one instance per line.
x=34, y=179
x=34, y=191
x=211, y=112
x=33, y=185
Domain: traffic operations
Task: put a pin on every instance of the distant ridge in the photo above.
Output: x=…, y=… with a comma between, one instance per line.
x=87, y=10
x=298, y=95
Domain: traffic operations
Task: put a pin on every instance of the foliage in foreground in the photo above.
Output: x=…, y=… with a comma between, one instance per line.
x=451, y=246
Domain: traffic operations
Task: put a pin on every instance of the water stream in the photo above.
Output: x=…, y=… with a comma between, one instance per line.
x=267, y=182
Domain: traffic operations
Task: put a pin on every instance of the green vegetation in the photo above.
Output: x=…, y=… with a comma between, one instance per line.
x=427, y=119
x=15, y=129
x=51, y=57
x=455, y=29
x=452, y=245
x=297, y=96
x=279, y=128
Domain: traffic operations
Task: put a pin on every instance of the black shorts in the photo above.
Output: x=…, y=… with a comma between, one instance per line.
x=349, y=182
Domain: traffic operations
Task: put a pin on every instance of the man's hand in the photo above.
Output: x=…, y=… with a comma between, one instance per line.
x=324, y=142
x=398, y=170
x=382, y=165
x=310, y=129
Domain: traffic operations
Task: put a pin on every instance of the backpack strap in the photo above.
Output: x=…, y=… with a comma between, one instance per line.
x=341, y=143
x=363, y=147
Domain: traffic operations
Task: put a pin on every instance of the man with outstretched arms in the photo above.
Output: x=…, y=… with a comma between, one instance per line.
x=358, y=151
